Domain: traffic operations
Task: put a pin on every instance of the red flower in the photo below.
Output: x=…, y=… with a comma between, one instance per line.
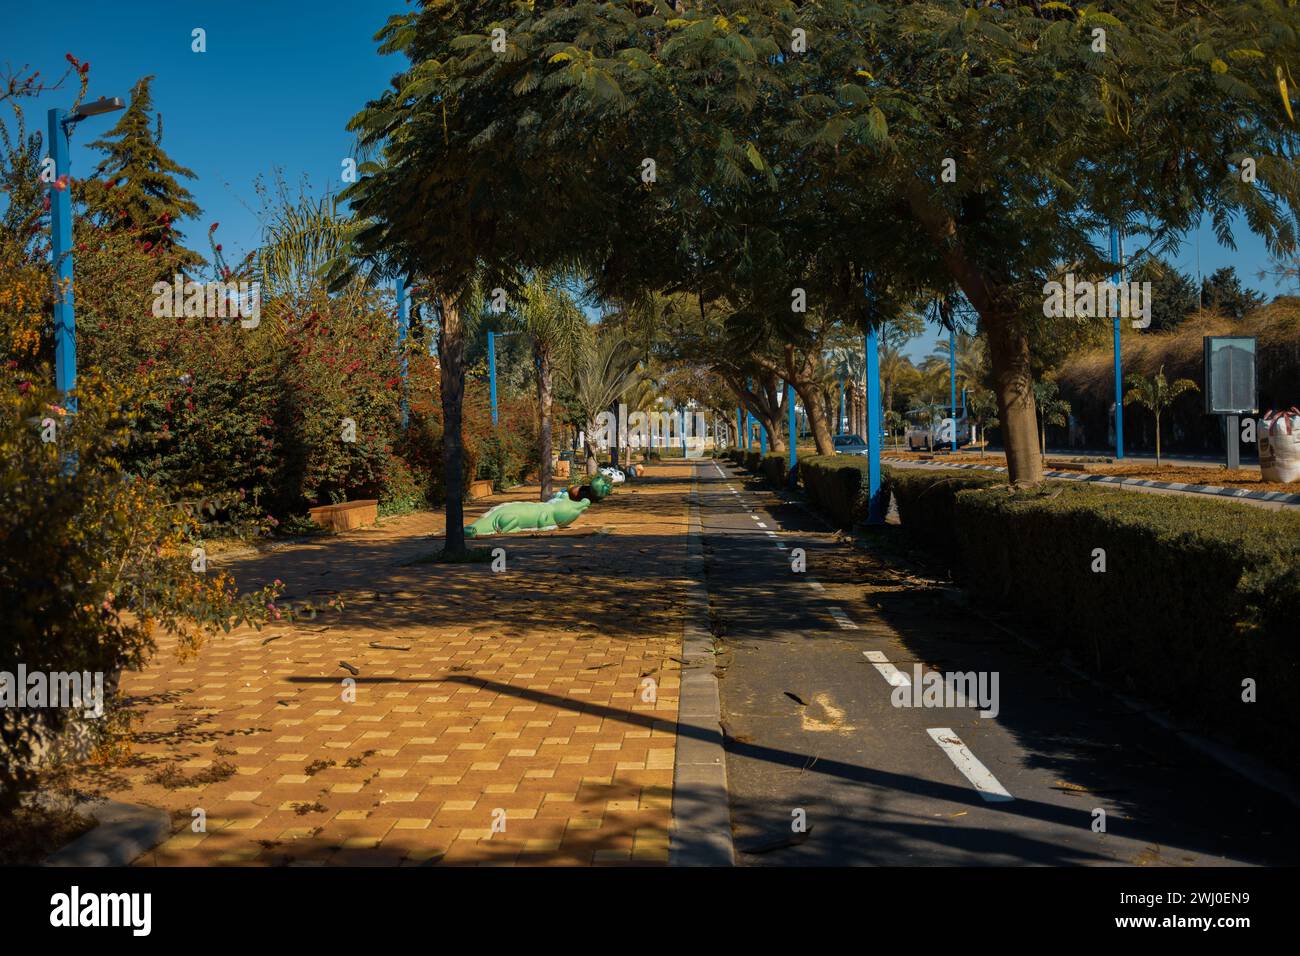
x=213, y=227
x=218, y=247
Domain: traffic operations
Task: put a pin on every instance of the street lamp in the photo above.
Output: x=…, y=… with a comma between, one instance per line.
x=794, y=454
x=876, y=502
x=952, y=381
x=1119, y=373
x=492, y=369
x=65, y=327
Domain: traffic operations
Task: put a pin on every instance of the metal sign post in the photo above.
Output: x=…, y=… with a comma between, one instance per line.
x=1230, y=386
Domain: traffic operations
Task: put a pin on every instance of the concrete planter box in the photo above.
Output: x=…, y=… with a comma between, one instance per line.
x=480, y=489
x=345, y=516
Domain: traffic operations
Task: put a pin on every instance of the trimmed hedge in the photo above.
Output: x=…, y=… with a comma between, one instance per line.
x=926, y=500
x=1195, y=597
x=775, y=468
x=836, y=485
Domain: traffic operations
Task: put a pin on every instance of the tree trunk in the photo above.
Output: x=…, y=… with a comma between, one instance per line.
x=816, y=420
x=613, y=445
x=1158, y=441
x=451, y=358
x=544, y=397
x=1013, y=383
x=589, y=447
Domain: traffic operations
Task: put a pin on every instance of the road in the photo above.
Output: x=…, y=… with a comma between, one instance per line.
x=805, y=666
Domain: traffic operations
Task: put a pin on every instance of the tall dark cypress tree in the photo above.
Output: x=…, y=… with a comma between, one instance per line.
x=135, y=188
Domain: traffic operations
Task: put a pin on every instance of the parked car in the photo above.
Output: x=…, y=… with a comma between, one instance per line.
x=849, y=445
x=928, y=435
x=921, y=437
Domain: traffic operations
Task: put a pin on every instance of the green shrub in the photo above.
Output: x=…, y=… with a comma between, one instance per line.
x=92, y=560
x=775, y=469
x=837, y=486
x=926, y=499
x=1196, y=596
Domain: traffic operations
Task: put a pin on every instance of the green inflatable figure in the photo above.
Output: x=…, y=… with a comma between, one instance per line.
x=515, y=516
x=601, y=485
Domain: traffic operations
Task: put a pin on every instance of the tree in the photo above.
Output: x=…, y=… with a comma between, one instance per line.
x=555, y=324
x=1052, y=410
x=1223, y=292
x=1050, y=151
x=982, y=409
x=604, y=368
x=135, y=188
x=766, y=162
x=1155, y=394
x=1173, y=293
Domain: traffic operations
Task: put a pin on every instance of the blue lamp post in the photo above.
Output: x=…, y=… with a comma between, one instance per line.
x=740, y=428
x=952, y=382
x=492, y=373
x=875, y=500
x=794, y=454
x=65, y=323
x=839, y=422
x=1119, y=372
x=748, y=435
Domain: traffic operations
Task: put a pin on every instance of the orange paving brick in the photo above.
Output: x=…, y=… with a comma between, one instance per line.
x=520, y=692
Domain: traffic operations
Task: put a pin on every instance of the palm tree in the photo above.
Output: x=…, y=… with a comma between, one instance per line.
x=850, y=367
x=553, y=321
x=305, y=239
x=1052, y=410
x=982, y=409
x=1156, y=394
x=603, y=369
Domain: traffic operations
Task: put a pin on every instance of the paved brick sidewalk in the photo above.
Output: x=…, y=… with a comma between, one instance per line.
x=513, y=697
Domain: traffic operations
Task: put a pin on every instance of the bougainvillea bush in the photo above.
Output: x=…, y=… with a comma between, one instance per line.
x=94, y=561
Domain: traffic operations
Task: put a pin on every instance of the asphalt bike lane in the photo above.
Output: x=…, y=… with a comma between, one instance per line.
x=823, y=768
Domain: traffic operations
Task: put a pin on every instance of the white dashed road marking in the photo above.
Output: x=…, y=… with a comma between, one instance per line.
x=842, y=619
x=969, y=765
x=888, y=671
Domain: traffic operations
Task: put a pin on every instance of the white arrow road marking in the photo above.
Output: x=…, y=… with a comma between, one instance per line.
x=761, y=525
x=971, y=768
x=815, y=585
x=888, y=671
x=842, y=619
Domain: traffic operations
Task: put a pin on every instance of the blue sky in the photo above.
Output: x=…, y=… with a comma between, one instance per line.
x=276, y=87
x=279, y=81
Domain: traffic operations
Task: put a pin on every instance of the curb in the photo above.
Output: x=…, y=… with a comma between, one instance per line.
x=124, y=832
x=1283, y=498
x=701, y=826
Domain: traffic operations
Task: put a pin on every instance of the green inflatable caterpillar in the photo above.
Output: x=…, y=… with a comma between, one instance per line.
x=515, y=516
